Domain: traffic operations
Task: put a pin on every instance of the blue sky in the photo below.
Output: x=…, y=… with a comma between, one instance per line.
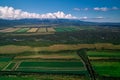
x=88, y=10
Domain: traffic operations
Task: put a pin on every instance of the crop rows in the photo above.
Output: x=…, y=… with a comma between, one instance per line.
x=42, y=30
x=65, y=29
x=33, y=30
x=22, y=30
x=39, y=30
x=51, y=30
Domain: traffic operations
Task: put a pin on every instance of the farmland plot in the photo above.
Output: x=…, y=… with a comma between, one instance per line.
x=53, y=67
x=33, y=30
x=10, y=66
x=107, y=68
x=51, y=30
x=59, y=30
x=22, y=30
x=42, y=30
x=103, y=54
x=7, y=30
x=3, y=64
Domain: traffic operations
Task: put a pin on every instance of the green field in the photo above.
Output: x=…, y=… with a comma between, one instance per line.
x=44, y=77
x=54, y=67
x=3, y=64
x=22, y=30
x=103, y=53
x=10, y=66
x=107, y=68
x=5, y=59
x=51, y=64
x=67, y=29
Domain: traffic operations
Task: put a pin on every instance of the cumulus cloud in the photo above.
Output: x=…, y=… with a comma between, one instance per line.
x=11, y=13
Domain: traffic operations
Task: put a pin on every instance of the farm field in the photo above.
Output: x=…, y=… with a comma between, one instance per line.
x=107, y=68
x=105, y=62
x=44, y=77
x=57, y=47
x=4, y=61
x=45, y=66
x=7, y=30
x=51, y=30
x=36, y=29
x=22, y=30
x=42, y=30
x=56, y=54
x=32, y=30
x=53, y=67
x=103, y=54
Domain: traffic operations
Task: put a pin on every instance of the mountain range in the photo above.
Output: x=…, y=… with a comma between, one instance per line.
x=60, y=22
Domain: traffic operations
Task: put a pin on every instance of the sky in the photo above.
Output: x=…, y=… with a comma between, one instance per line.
x=87, y=10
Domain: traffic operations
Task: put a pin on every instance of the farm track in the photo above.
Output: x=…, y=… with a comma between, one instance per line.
x=6, y=66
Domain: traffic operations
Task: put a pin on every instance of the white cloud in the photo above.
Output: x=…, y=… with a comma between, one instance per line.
x=101, y=9
x=76, y=9
x=115, y=8
x=100, y=17
x=92, y=18
x=84, y=18
x=105, y=8
x=11, y=13
x=86, y=9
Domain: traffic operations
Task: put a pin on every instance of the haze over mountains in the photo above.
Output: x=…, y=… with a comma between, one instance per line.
x=65, y=22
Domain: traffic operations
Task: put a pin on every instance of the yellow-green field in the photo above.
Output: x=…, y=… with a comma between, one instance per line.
x=33, y=30
x=57, y=47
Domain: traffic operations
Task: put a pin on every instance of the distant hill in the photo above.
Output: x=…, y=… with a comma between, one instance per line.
x=60, y=22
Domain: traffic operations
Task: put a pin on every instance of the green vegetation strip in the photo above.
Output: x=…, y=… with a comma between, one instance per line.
x=107, y=68
x=51, y=64
x=103, y=53
x=65, y=29
x=5, y=59
x=54, y=71
x=44, y=77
